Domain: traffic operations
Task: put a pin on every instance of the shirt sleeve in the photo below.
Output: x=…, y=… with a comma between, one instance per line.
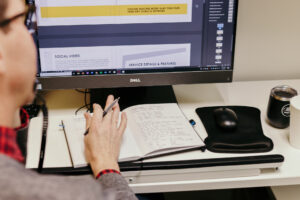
x=107, y=171
x=116, y=182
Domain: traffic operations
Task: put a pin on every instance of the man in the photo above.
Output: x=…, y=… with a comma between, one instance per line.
x=17, y=75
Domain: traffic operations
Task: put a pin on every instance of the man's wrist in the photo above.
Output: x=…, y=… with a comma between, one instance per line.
x=98, y=166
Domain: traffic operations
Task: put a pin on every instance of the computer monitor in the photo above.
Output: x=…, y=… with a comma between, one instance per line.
x=134, y=43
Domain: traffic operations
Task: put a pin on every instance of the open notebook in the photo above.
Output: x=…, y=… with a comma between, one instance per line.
x=152, y=130
x=174, y=130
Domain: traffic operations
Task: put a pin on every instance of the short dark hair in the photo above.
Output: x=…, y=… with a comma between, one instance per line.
x=3, y=5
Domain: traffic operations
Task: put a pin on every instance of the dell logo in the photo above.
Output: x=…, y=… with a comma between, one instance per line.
x=135, y=80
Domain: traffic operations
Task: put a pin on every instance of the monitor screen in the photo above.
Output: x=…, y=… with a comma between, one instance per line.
x=125, y=43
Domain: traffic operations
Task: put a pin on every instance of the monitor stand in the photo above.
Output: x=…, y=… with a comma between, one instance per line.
x=134, y=95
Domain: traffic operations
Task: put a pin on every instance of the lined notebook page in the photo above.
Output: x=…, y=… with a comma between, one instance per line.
x=161, y=126
x=75, y=128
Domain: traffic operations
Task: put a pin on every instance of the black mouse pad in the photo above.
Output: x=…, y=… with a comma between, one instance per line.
x=248, y=137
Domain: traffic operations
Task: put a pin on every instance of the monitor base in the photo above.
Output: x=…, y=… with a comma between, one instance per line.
x=134, y=95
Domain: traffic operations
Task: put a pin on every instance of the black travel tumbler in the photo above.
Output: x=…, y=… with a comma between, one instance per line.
x=278, y=113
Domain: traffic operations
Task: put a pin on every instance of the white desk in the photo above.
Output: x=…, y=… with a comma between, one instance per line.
x=191, y=97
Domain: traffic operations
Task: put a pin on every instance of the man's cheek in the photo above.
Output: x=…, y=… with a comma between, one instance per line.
x=18, y=81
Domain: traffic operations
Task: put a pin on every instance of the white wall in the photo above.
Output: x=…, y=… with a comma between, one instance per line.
x=268, y=40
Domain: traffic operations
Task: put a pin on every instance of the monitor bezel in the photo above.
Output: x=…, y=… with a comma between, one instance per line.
x=134, y=80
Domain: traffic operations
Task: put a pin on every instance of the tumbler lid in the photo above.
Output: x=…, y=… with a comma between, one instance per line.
x=283, y=92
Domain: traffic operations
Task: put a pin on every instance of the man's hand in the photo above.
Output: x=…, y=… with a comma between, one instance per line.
x=103, y=142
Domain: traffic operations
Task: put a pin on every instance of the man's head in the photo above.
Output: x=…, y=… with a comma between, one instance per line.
x=17, y=55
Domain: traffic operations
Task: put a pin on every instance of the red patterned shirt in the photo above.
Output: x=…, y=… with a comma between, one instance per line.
x=8, y=139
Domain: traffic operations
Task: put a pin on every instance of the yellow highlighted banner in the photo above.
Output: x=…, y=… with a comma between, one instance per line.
x=118, y=10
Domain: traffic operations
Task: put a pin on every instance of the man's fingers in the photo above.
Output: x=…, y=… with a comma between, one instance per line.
x=115, y=115
x=109, y=101
x=88, y=120
x=98, y=113
x=108, y=117
x=123, y=123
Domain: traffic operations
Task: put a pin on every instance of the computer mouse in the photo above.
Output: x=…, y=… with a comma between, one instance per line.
x=226, y=119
